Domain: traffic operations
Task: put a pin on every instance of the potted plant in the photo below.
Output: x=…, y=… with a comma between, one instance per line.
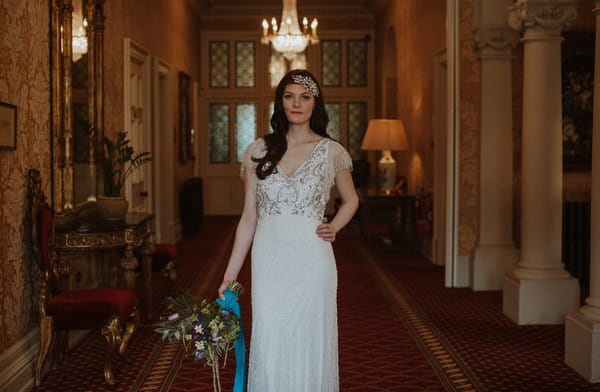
x=117, y=160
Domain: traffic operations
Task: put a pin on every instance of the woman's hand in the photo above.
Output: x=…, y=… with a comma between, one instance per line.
x=326, y=231
x=223, y=287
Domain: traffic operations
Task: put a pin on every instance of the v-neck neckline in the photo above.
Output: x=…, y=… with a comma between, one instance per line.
x=280, y=169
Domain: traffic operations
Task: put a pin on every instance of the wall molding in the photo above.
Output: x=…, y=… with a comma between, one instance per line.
x=19, y=360
x=18, y=363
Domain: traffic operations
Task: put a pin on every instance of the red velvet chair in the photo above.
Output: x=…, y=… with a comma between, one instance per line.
x=110, y=310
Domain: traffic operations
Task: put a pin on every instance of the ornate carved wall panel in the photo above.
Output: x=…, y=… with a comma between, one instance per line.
x=469, y=132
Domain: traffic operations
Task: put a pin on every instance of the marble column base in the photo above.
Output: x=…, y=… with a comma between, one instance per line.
x=582, y=345
x=489, y=265
x=539, y=301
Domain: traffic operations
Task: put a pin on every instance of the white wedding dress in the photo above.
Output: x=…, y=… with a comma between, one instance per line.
x=294, y=343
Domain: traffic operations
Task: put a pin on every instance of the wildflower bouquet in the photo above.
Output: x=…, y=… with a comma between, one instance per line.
x=207, y=330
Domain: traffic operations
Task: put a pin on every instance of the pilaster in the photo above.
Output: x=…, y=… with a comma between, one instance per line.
x=495, y=253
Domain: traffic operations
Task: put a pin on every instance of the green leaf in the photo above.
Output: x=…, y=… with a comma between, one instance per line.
x=117, y=159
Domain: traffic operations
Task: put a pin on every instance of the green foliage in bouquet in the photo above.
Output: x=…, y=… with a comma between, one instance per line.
x=203, y=327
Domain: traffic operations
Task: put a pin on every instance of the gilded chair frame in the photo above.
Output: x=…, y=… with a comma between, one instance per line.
x=117, y=336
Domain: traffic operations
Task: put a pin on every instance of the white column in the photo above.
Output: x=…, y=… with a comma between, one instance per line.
x=582, y=329
x=495, y=253
x=540, y=290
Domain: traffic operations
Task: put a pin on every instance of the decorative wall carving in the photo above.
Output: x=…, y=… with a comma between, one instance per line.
x=542, y=14
x=499, y=38
x=470, y=122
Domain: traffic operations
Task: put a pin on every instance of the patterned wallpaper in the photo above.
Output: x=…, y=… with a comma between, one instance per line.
x=24, y=81
x=470, y=74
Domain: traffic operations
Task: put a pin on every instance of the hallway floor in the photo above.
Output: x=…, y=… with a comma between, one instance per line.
x=399, y=330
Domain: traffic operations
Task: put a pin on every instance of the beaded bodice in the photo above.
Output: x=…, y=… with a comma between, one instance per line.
x=306, y=191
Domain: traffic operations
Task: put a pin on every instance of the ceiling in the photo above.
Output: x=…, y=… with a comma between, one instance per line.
x=273, y=7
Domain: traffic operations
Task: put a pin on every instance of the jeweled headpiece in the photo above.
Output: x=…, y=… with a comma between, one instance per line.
x=308, y=83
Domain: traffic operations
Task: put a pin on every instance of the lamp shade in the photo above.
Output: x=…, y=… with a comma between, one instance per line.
x=384, y=134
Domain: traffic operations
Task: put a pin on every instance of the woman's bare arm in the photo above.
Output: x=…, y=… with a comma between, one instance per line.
x=243, y=235
x=345, y=185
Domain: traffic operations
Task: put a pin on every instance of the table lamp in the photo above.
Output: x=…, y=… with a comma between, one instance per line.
x=385, y=135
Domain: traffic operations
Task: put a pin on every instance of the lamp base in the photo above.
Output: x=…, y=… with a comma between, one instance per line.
x=386, y=172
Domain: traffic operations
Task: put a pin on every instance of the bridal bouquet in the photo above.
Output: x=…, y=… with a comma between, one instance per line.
x=207, y=330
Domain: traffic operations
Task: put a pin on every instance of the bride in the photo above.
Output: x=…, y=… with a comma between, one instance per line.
x=288, y=176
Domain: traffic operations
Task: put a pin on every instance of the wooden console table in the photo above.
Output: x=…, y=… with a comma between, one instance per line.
x=92, y=233
x=392, y=209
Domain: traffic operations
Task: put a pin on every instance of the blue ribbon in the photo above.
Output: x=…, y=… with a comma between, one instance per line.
x=230, y=303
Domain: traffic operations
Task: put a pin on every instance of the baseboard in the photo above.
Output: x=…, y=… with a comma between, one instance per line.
x=18, y=361
x=463, y=271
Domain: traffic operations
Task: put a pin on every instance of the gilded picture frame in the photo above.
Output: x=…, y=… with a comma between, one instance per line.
x=8, y=126
x=186, y=150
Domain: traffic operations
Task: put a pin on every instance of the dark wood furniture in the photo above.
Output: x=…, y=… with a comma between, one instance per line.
x=393, y=212
x=110, y=310
x=92, y=234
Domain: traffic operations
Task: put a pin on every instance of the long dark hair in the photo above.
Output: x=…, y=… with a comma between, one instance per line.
x=276, y=142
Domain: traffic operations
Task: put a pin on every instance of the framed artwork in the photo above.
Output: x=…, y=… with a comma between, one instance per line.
x=577, y=100
x=8, y=126
x=186, y=137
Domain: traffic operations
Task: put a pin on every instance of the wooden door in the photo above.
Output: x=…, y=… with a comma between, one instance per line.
x=138, y=124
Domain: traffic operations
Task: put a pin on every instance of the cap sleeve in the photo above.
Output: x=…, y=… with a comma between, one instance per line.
x=254, y=150
x=340, y=157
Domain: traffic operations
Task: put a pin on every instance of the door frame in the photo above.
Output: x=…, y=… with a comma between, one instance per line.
x=440, y=161
x=135, y=52
x=452, y=147
x=163, y=81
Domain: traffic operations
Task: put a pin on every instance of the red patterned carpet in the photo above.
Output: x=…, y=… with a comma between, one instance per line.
x=376, y=352
x=399, y=330
x=502, y=355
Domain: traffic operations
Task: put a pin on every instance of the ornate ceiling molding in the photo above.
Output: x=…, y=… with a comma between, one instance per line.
x=266, y=8
x=547, y=15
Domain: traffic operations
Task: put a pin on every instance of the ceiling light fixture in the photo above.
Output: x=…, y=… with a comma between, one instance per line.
x=287, y=37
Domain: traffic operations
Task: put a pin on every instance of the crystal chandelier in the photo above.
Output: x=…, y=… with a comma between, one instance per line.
x=79, y=38
x=287, y=38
